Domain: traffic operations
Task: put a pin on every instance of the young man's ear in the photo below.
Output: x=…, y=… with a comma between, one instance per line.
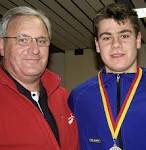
x=138, y=40
x=1, y=47
x=97, y=46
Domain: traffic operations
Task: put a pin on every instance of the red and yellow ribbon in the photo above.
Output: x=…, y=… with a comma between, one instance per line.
x=115, y=126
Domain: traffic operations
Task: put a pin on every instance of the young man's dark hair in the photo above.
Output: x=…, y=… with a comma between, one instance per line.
x=119, y=12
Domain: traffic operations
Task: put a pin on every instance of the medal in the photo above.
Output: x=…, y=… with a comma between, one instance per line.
x=115, y=147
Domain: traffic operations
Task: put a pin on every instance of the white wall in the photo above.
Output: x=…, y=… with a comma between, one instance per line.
x=79, y=68
x=142, y=56
x=73, y=69
x=57, y=65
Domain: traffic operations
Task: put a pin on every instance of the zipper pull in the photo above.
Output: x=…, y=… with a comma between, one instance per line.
x=118, y=78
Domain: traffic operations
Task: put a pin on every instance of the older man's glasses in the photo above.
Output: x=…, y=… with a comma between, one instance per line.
x=25, y=40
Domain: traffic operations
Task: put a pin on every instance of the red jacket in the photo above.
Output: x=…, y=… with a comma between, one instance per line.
x=22, y=126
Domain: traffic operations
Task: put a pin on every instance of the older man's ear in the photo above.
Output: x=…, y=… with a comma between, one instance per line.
x=1, y=47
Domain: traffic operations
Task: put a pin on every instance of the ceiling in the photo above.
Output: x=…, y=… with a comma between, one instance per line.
x=72, y=19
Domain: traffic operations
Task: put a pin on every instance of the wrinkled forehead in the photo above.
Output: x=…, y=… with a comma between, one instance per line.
x=26, y=22
x=18, y=19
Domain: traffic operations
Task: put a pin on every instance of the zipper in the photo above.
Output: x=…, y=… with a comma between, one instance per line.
x=118, y=108
x=118, y=93
x=35, y=97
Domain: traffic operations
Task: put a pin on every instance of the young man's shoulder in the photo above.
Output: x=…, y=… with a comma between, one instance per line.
x=85, y=86
x=81, y=90
x=144, y=70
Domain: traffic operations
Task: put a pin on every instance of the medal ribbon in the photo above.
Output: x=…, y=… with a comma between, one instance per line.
x=115, y=126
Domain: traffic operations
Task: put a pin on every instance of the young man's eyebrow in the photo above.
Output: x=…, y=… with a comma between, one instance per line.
x=105, y=33
x=125, y=30
x=122, y=31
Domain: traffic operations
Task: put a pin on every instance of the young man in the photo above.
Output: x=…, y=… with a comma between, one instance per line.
x=34, y=114
x=110, y=108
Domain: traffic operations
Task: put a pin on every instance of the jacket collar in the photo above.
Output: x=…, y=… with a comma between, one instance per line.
x=111, y=76
x=50, y=80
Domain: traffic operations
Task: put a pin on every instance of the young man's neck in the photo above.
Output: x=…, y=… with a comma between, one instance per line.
x=131, y=70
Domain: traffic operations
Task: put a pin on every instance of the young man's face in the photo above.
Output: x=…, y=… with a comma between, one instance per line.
x=25, y=62
x=117, y=45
